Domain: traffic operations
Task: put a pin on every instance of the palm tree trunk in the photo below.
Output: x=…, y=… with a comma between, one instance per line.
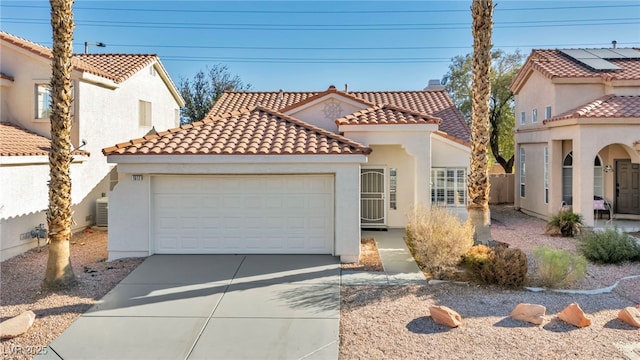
x=59, y=273
x=478, y=184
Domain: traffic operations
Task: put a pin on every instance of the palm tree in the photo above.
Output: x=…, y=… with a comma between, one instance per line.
x=478, y=184
x=59, y=273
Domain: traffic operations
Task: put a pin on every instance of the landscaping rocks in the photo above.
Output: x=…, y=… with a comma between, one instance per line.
x=445, y=316
x=531, y=313
x=574, y=315
x=630, y=315
x=17, y=325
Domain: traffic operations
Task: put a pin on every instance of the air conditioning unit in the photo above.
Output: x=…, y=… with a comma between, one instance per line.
x=102, y=211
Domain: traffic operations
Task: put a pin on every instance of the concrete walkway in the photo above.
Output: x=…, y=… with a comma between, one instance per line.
x=213, y=307
x=399, y=266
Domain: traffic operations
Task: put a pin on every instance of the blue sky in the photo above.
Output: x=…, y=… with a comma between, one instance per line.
x=309, y=45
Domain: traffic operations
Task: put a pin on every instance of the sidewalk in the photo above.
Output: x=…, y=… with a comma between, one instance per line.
x=399, y=266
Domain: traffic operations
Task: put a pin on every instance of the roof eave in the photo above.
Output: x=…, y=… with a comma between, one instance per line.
x=234, y=159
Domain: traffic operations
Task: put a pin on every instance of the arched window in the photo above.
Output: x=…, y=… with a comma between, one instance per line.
x=598, y=185
x=567, y=178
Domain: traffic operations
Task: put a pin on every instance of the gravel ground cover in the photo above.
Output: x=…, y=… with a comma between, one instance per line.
x=392, y=322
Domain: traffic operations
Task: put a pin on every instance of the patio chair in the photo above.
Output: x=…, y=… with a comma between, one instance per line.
x=602, y=206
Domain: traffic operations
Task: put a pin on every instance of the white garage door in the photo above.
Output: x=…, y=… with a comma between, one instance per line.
x=243, y=214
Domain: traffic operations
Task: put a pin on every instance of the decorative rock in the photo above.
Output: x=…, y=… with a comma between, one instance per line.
x=574, y=315
x=532, y=313
x=445, y=316
x=630, y=315
x=17, y=325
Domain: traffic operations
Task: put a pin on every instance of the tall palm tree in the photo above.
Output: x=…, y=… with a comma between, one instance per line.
x=59, y=273
x=478, y=184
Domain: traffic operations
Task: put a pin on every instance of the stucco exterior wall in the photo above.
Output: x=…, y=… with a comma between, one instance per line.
x=394, y=156
x=533, y=201
x=570, y=96
x=324, y=111
x=103, y=116
x=130, y=202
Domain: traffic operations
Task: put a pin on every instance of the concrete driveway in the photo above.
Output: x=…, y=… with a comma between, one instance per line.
x=213, y=307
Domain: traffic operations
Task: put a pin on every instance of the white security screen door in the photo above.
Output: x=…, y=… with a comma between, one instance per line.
x=372, y=197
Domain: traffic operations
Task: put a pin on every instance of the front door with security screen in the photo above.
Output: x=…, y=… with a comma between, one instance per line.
x=372, y=197
x=627, y=187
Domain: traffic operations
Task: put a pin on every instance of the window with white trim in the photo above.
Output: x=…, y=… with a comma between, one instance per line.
x=449, y=187
x=522, y=172
x=42, y=101
x=546, y=174
x=547, y=112
x=534, y=115
x=523, y=118
x=144, y=113
x=567, y=179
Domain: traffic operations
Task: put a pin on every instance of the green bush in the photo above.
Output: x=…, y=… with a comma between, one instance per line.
x=557, y=267
x=566, y=222
x=437, y=238
x=500, y=266
x=609, y=247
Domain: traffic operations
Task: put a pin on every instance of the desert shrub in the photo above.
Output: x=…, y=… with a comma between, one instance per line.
x=566, y=222
x=500, y=266
x=558, y=267
x=609, y=247
x=437, y=238
x=476, y=258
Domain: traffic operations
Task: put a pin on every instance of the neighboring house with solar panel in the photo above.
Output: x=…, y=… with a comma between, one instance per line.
x=577, y=133
x=289, y=172
x=116, y=97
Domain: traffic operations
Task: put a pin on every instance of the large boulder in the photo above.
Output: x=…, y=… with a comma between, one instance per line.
x=445, y=316
x=532, y=313
x=17, y=325
x=630, y=315
x=574, y=315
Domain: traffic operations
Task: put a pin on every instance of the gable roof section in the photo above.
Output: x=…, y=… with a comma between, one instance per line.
x=435, y=103
x=255, y=131
x=386, y=115
x=606, y=107
x=16, y=141
x=115, y=67
x=331, y=90
x=552, y=63
x=118, y=67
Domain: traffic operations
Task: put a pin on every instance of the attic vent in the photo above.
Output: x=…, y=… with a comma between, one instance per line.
x=102, y=211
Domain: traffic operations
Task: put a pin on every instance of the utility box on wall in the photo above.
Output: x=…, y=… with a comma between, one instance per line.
x=102, y=211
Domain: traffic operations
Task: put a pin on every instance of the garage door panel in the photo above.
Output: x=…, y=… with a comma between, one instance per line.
x=243, y=214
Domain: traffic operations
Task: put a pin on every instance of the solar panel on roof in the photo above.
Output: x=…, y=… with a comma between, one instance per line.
x=578, y=54
x=604, y=54
x=599, y=64
x=628, y=53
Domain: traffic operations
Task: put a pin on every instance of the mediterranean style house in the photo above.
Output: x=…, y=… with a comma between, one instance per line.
x=116, y=97
x=577, y=134
x=289, y=173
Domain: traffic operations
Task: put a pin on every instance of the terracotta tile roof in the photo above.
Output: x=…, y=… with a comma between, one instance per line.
x=455, y=139
x=16, y=141
x=552, y=63
x=118, y=67
x=256, y=131
x=436, y=103
x=331, y=90
x=386, y=115
x=606, y=107
x=6, y=77
x=115, y=67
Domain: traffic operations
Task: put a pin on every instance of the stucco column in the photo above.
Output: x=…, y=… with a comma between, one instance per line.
x=420, y=149
x=555, y=176
x=583, y=155
x=347, y=214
